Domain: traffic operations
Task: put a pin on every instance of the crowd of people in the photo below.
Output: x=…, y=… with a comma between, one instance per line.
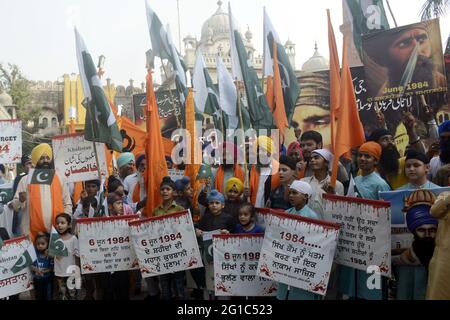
x=294, y=183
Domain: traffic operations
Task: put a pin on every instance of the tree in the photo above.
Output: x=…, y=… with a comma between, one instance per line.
x=434, y=9
x=17, y=86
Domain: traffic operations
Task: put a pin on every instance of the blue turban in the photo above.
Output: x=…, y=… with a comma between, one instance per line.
x=124, y=159
x=182, y=183
x=216, y=196
x=444, y=127
x=419, y=215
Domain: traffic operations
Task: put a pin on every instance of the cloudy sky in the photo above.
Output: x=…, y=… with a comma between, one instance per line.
x=38, y=35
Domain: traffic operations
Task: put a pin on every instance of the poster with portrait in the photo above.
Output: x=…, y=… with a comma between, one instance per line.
x=405, y=61
x=298, y=251
x=236, y=259
x=365, y=237
x=401, y=238
x=14, y=279
x=165, y=244
x=10, y=141
x=75, y=159
x=105, y=244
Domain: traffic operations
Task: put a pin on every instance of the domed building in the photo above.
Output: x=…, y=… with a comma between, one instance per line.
x=7, y=107
x=316, y=63
x=215, y=40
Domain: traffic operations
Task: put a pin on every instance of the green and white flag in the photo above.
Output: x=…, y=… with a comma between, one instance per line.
x=41, y=176
x=364, y=16
x=205, y=94
x=56, y=246
x=227, y=94
x=290, y=86
x=25, y=260
x=260, y=115
x=6, y=193
x=100, y=124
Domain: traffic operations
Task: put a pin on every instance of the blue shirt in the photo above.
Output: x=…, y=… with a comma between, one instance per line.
x=369, y=186
x=240, y=229
x=44, y=262
x=410, y=186
x=304, y=212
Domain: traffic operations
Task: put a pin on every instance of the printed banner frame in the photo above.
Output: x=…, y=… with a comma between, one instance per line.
x=10, y=141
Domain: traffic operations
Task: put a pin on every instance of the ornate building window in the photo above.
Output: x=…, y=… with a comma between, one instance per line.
x=54, y=122
x=44, y=123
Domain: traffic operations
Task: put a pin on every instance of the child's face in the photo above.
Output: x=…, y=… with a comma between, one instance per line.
x=91, y=189
x=233, y=194
x=167, y=193
x=188, y=191
x=61, y=225
x=41, y=244
x=215, y=207
x=296, y=198
x=245, y=216
x=117, y=208
x=415, y=169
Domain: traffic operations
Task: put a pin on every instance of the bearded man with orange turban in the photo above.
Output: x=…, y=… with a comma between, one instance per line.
x=43, y=195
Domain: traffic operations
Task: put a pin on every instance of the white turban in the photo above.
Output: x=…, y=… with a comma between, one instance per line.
x=301, y=187
x=324, y=153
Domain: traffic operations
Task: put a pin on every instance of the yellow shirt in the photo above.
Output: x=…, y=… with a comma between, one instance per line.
x=159, y=211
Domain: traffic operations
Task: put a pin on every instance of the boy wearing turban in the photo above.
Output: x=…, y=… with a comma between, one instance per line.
x=417, y=167
x=410, y=268
x=41, y=203
x=353, y=282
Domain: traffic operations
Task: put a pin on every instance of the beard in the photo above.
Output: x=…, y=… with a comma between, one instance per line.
x=45, y=165
x=422, y=72
x=445, y=151
x=424, y=249
x=389, y=159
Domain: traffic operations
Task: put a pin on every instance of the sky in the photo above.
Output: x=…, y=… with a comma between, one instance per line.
x=38, y=35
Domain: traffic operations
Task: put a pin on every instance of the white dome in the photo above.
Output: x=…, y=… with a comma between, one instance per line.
x=5, y=99
x=217, y=26
x=316, y=63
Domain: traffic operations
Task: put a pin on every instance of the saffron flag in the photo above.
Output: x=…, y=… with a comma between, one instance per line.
x=350, y=132
x=156, y=162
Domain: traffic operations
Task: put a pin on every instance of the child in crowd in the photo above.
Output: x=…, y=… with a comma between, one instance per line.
x=116, y=186
x=185, y=193
x=247, y=218
x=417, y=167
x=42, y=269
x=63, y=227
x=215, y=217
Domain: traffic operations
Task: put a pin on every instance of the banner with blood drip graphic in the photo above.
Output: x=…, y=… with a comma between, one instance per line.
x=235, y=264
x=165, y=244
x=365, y=235
x=105, y=244
x=298, y=251
x=14, y=283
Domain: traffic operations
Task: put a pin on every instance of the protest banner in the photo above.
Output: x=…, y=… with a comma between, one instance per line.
x=10, y=141
x=236, y=259
x=14, y=283
x=298, y=251
x=405, y=61
x=365, y=234
x=105, y=244
x=165, y=244
x=401, y=238
x=74, y=158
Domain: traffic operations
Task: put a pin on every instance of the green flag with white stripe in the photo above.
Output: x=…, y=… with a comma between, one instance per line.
x=100, y=124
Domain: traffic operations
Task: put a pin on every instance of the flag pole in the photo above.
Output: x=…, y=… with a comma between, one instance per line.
x=171, y=95
x=241, y=119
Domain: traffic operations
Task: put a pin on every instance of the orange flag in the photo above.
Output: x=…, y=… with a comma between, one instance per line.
x=350, y=132
x=135, y=137
x=335, y=81
x=274, y=95
x=156, y=162
x=195, y=151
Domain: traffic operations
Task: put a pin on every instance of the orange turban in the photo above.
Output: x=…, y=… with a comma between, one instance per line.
x=372, y=148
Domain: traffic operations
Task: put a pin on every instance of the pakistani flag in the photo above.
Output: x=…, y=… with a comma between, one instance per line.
x=56, y=247
x=100, y=123
x=204, y=172
x=365, y=16
x=260, y=115
x=227, y=94
x=163, y=47
x=41, y=176
x=290, y=86
x=25, y=260
x=206, y=97
x=6, y=193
